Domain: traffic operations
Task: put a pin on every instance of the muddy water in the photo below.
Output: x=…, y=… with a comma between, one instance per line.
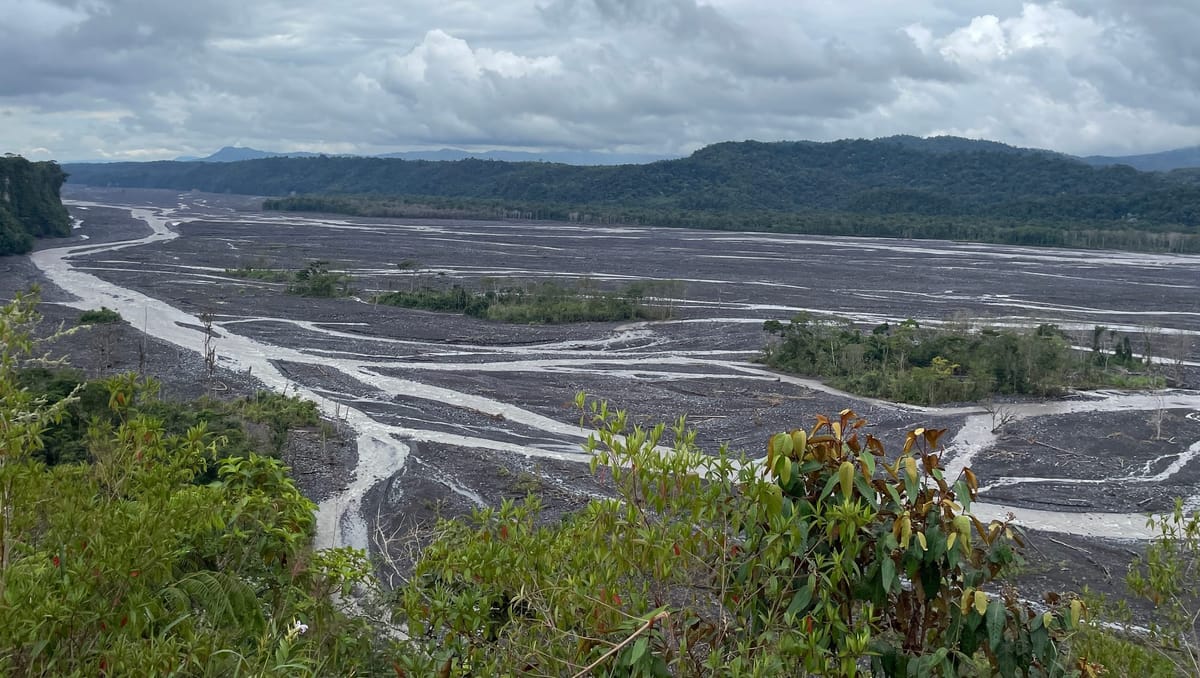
x=637, y=352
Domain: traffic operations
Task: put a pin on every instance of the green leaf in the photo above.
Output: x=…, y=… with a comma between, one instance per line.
x=833, y=480
x=782, y=444
x=889, y=573
x=801, y=600
x=639, y=651
x=931, y=579
x=1007, y=662
x=869, y=460
x=963, y=494
x=994, y=619
x=810, y=466
x=1040, y=638
x=773, y=498
x=891, y=490
x=867, y=491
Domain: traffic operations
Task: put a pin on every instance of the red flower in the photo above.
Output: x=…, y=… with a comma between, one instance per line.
x=134, y=573
x=55, y=561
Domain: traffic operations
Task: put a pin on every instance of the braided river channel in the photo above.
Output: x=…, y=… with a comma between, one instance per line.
x=433, y=398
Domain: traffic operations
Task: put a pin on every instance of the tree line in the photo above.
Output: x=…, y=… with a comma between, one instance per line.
x=933, y=191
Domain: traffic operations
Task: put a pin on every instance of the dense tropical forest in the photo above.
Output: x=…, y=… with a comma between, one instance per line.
x=29, y=203
x=899, y=186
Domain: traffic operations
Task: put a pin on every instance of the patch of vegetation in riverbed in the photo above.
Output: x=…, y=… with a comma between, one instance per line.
x=99, y=316
x=926, y=366
x=542, y=303
x=314, y=280
x=260, y=273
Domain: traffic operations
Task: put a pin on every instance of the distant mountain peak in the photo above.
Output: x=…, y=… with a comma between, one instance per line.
x=1179, y=158
x=239, y=153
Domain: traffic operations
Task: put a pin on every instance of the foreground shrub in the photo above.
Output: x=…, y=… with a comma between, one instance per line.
x=258, y=424
x=1169, y=577
x=130, y=566
x=830, y=558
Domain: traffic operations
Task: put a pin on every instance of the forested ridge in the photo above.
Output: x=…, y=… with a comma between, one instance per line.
x=29, y=203
x=899, y=186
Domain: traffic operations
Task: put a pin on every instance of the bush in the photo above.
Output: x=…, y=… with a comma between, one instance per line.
x=100, y=316
x=233, y=422
x=281, y=413
x=1169, y=576
x=832, y=558
x=127, y=566
x=316, y=280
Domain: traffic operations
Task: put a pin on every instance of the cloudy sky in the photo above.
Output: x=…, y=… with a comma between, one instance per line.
x=149, y=79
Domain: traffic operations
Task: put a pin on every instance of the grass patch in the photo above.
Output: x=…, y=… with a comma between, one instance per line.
x=1120, y=656
x=543, y=303
x=914, y=364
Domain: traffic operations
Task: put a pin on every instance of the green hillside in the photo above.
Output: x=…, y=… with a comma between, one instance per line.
x=941, y=187
x=29, y=203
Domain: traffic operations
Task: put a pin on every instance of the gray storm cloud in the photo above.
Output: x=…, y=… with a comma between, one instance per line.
x=140, y=79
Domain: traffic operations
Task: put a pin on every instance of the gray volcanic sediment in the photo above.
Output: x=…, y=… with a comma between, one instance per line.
x=478, y=408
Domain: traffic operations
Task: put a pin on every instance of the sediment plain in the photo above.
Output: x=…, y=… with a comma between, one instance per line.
x=449, y=412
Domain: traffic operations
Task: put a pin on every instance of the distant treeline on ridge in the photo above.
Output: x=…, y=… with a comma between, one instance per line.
x=900, y=186
x=30, y=206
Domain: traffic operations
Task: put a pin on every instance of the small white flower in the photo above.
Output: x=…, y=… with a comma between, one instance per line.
x=300, y=628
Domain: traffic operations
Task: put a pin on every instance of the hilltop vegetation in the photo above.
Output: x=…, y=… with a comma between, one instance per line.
x=29, y=203
x=900, y=186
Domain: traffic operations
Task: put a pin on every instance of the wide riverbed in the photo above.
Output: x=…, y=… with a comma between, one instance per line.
x=440, y=396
